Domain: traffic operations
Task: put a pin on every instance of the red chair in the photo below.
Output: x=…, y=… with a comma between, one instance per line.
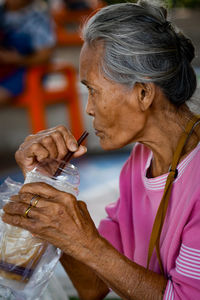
x=64, y=18
x=35, y=98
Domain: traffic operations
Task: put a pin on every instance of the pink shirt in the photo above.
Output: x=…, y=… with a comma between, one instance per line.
x=129, y=223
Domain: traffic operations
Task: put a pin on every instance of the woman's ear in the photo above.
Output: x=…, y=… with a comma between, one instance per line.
x=146, y=94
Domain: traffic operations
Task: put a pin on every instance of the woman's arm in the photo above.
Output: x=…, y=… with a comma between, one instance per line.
x=88, y=285
x=129, y=281
x=126, y=278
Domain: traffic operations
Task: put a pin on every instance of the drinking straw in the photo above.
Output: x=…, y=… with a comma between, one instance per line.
x=68, y=156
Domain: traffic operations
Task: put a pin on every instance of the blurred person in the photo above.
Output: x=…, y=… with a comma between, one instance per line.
x=137, y=68
x=27, y=39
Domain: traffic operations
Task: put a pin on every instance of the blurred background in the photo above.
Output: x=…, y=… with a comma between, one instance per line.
x=39, y=86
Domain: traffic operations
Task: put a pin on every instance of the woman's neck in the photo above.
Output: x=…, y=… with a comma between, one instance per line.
x=162, y=138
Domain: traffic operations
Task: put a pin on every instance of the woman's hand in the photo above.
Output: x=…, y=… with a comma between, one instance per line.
x=64, y=222
x=51, y=143
x=57, y=218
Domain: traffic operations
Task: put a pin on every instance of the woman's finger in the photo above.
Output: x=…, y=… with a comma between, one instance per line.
x=41, y=189
x=31, y=200
x=49, y=206
x=35, y=151
x=60, y=144
x=25, y=211
x=18, y=221
x=30, y=224
x=40, y=230
x=28, y=156
x=81, y=151
x=14, y=198
x=49, y=144
x=69, y=139
x=70, y=143
x=48, y=192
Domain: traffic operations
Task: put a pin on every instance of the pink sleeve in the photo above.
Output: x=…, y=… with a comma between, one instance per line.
x=184, y=282
x=109, y=227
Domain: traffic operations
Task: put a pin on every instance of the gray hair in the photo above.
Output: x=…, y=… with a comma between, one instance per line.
x=142, y=46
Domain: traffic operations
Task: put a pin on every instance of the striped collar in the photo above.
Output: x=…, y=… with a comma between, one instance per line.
x=158, y=183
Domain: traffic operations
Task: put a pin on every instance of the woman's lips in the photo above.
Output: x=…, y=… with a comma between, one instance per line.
x=98, y=132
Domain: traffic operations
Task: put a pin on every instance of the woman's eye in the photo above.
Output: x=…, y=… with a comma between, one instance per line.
x=91, y=91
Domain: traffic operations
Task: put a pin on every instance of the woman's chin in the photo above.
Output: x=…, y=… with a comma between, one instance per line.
x=107, y=145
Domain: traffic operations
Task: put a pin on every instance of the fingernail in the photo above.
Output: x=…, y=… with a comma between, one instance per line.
x=83, y=148
x=73, y=146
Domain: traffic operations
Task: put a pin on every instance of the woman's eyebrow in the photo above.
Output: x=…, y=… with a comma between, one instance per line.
x=85, y=82
x=88, y=84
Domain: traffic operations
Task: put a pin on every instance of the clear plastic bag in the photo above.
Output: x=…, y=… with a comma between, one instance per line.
x=26, y=262
x=67, y=181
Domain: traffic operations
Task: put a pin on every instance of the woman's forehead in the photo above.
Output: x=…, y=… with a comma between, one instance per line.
x=92, y=53
x=90, y=60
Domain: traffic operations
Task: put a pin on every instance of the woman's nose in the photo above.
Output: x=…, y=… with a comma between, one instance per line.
x=90, y=108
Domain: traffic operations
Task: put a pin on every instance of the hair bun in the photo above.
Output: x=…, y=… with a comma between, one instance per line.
x=154, y=7
x=186, y=47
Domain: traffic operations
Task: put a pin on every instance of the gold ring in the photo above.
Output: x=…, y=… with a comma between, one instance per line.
x=35, y=202
x=27, y=211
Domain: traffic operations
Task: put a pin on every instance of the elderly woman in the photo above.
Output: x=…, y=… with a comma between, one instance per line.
x=138, y=71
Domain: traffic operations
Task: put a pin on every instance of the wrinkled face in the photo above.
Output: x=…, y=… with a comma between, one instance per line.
x=114, y=107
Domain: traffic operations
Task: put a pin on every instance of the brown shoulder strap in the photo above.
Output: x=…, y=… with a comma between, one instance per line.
x=161, y=213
